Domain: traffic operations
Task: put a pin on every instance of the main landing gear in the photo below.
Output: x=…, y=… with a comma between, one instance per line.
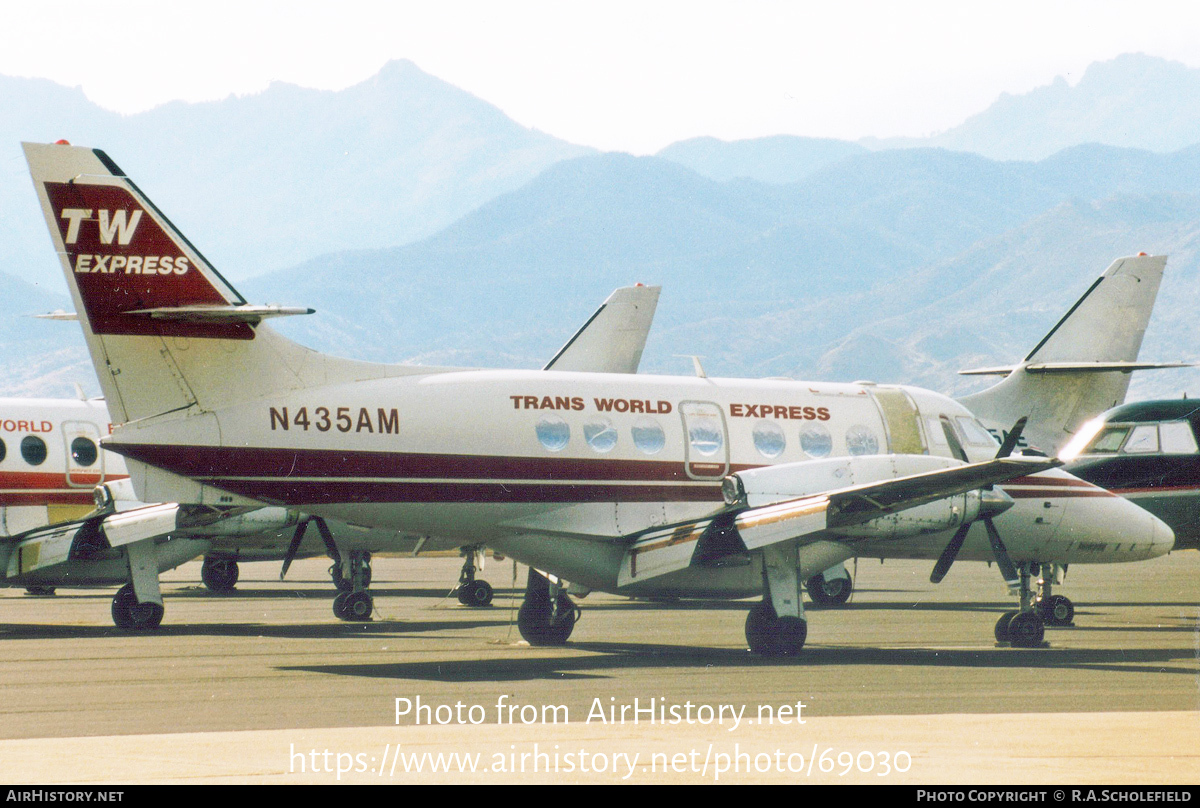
x=138, y=605
x=472, y=592
x=352, y=577
x=130, y=614
x=547, y=616
x=219, y=573
x=829, y=591
x=776, y=627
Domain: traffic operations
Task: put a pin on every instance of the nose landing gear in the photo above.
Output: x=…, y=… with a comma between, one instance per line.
x=472, y=592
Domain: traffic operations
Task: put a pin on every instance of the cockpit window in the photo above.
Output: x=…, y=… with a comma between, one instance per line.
x=1142, y=440
x=974, y=432
x=1177, y=438
x=1108, y=441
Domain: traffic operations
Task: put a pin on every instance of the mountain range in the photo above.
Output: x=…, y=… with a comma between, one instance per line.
x=867, y=260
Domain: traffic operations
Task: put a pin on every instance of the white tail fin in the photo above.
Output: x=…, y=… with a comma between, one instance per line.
x=163, y=327
x=612, y=340
x=1081, y=367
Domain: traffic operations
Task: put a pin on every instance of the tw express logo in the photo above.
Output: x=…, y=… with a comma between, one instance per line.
x=115, y=228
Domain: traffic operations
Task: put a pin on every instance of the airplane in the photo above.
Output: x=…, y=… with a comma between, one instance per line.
x=624, y=483
x=60, y=474
x=1147, y=452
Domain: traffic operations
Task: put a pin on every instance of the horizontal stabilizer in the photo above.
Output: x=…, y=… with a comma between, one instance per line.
x=221, y=314
x=1076, y=367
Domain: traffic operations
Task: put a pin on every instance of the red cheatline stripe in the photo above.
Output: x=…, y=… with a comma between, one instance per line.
x=1047, y=482
x=1095, y=492
x=225, y=462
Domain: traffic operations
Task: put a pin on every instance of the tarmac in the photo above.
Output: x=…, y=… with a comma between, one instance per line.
x=904, y=685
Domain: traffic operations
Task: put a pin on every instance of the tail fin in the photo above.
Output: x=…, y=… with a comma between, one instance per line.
x=1082, y=366
x=162, y=325
x=612, y=340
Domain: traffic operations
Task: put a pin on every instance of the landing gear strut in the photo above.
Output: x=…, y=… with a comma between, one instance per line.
x=547, y=616
x=776, y=627
x=472, y=592
x=353, y=603
x=219, y=573
x=1024, y=628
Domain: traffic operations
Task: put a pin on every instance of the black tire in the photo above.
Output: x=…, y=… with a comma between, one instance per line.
x=359, y=606
x=477, y=594
x=790, y=634
x=40, y=591
x=219, y=573
x=130, y=615
x=535, y=625
x=828, y=593
x=339, y=606
x=1002, y=626
x=1056, y=610
x=760, y=629
x=1026, y=630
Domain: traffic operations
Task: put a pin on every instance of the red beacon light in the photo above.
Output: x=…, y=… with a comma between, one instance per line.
x=62, y=143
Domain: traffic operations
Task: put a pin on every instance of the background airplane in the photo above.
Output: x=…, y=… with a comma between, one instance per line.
x=685, y=484
x=50, y=481
x=1146, y=451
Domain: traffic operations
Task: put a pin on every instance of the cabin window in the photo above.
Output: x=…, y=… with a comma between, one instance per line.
x=974, y=432
x=1142, y=440
x=648, y=436
x=705, y=434
x=861, y=440
x=33, y=449
x=1108, y=441
x=83, y=451
x=3, y=450
x=553, y=433
x=769, y=439
x=600, y=435
x=815, y=441
x=1177, y=438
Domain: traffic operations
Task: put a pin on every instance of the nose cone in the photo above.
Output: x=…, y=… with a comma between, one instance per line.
x=1106, y=528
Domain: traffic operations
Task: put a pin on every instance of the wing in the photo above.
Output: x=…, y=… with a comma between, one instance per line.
x=741, y=528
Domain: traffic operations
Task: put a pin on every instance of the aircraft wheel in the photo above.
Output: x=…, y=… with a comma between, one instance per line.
x=829, y=592
x=1002, y=626
x=1056, y=610
x=770, y=635
x=130, y=615
x=1026, y=630
x=476, y=594
x=538, y=628
x=339, y=606
x=40, y=591
x=219, y=573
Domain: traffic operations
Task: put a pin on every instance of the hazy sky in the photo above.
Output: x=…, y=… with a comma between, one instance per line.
x=633, y=76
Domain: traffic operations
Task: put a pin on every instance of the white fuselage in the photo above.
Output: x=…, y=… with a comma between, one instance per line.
x=560, y=470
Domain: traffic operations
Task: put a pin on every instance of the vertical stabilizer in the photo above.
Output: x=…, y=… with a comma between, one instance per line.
x=1082, y=366
x=166, y=332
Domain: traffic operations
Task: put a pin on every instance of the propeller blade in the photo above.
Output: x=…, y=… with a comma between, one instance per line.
x=949, y=554
x=1007, y=569
x=956, y=447
x=1010, y=439
x=292, y=549
x=327, y=537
